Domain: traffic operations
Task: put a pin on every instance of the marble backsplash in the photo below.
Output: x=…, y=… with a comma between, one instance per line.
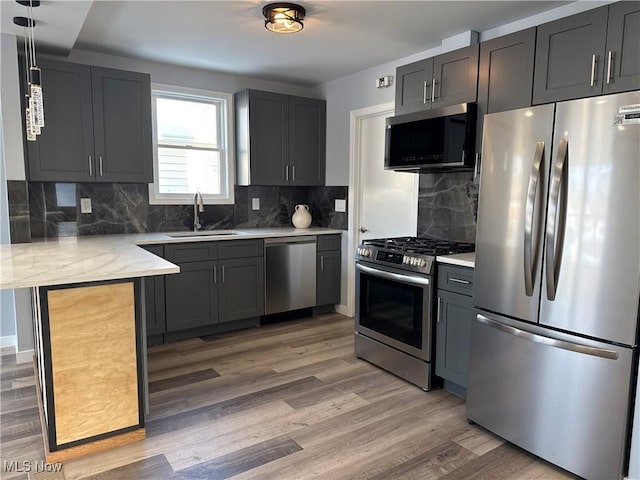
x=44, y=209
x=448, y=206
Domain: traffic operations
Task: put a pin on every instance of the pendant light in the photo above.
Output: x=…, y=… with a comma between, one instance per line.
x=283, y=17
x=34, y=108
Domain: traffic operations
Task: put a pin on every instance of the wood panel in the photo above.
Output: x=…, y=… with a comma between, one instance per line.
x=93, y=356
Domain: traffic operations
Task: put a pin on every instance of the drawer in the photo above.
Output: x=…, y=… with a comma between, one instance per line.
x=329, y=242
x=191, y=252
x=241, y=248
x=455, y=279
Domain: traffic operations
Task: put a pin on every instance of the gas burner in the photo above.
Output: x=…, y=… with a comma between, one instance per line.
x=421, y=246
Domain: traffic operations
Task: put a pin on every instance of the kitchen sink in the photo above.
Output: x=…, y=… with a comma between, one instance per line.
x=202, y=233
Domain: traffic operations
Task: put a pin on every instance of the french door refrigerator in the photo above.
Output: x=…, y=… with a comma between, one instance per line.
x=554, y=343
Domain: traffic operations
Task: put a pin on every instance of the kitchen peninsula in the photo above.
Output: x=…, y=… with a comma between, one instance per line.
x=89, y=329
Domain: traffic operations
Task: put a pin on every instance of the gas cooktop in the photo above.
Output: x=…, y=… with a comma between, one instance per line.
x=408, y=253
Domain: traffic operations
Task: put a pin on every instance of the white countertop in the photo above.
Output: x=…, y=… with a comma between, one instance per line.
x=94, y=258
x=460, y=259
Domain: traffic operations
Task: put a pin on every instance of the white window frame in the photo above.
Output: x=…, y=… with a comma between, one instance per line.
x=227, y=164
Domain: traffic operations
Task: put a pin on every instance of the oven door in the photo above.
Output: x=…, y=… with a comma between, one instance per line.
x=394, y=307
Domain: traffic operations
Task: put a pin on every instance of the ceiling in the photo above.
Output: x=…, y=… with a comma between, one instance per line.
x=339, y=37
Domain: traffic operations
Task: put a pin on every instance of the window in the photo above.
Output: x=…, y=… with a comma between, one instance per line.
x=192, y=141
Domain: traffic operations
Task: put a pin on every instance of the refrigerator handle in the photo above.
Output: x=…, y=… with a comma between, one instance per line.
x=531, y=257
x=556, y=220
x=552, y=342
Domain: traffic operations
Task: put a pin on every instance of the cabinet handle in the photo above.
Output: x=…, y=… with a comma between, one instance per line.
x=286, y=173
x=322, y=263
x=609, y=60
x=293, y=173
x=433, y=91
x=594, y=61
x=215, y=276
x=100, y=164
x=222, y=273
x=457, y=280
x=439, y=307
x=425, y=86
x=90, y=167
x=475, y=167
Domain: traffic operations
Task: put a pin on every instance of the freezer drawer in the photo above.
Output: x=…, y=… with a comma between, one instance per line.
x=561, y=397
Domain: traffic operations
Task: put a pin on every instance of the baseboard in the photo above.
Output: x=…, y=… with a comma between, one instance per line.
x=8, y=341
x=342, y=309
x=25, y=356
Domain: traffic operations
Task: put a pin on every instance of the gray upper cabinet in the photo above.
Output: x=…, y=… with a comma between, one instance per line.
x=97, y=126
x=622, y=72
x=412, y=82
x=64, y=150
x=572, y=58
x=122, y=125
x=307, y=140
x=439, y=81
x=505, y=75
x=280, y=139
x=455, y=77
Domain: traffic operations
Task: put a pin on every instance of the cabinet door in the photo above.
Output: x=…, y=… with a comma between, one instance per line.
x=505, y=79
x=154, y=297
x=122, y=125
x=192, y=296
x=622, y=68
x=269, y=138
x=570, y=57
x=453, y=336
x=328, y=281
x=307, y=139
x=455, y=77
x=241, y=288
x=413, y=83
x=64, y=150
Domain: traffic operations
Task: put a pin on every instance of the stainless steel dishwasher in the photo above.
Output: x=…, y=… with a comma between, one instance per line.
x=290, y=273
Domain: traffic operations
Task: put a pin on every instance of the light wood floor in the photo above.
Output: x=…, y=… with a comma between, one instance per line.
x=282, y=401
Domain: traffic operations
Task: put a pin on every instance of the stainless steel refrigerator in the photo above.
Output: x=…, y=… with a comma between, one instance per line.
x=554, y=344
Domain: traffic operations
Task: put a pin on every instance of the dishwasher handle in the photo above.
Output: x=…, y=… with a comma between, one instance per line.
x=273, y=242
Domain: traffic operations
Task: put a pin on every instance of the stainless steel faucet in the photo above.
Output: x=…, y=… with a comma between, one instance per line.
x=198, y=206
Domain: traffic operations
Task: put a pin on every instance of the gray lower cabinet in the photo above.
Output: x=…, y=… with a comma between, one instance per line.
x=439, y=81
x=97, y=126
x=192, y=296
x=328, y=269
x=220, y=281
x=154, y=288
x=280, y=139
x=241, y=290
x=453, y=323
x=584, y=55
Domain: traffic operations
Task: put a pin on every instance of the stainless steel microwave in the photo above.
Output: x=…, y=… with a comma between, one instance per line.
x=440, y=139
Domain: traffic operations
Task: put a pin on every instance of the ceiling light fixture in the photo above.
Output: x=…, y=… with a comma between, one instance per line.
x=283, y=17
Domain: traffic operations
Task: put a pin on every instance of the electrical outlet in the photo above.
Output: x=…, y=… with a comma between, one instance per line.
x=255, y=204
x=341, y=205
x=85, y=205
x=384, y=82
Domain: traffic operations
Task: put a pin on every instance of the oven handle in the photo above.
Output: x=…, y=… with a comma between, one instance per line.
x=412, y=279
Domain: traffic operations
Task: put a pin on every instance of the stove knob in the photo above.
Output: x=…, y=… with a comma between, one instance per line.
x=422, y=263
x=367, y=253
x=414, y=261
x=405, y=260
x=359, y=251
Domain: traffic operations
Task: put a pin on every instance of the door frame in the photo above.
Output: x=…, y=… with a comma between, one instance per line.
x=355, y=193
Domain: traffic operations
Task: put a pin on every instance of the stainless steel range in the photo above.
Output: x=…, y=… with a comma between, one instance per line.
x=394, y=304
